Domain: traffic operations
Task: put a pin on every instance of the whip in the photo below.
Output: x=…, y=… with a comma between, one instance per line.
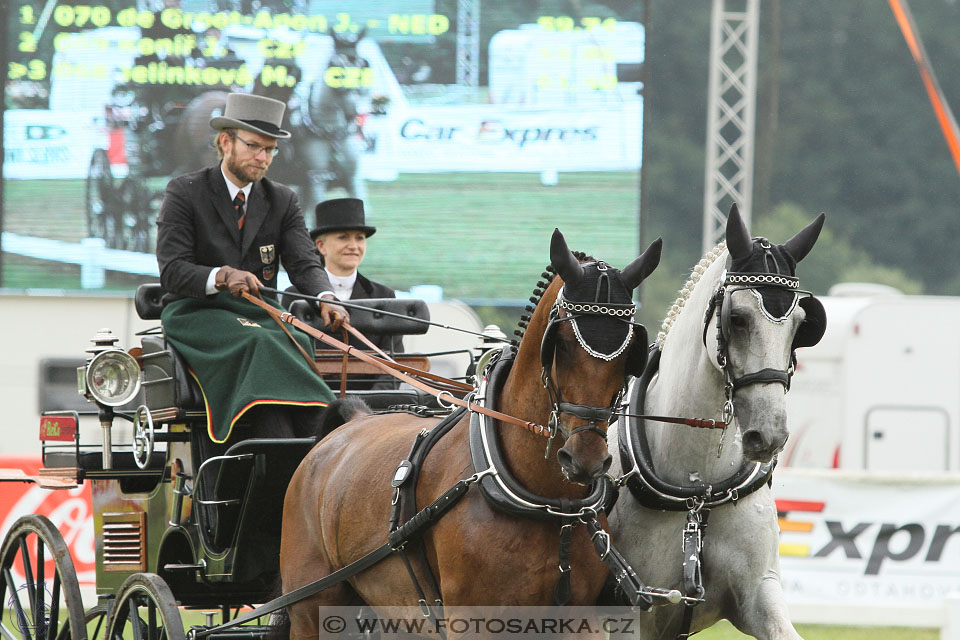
x=352, y=305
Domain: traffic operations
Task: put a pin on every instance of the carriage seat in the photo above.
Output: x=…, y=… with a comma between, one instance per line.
x=148, y=301
x=369, y=321
x=167, y=382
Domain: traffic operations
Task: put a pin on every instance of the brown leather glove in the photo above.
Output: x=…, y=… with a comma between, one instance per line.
x=333, y=314
x=238, y=281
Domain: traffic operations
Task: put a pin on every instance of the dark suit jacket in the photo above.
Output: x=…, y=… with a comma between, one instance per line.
x=197, y=231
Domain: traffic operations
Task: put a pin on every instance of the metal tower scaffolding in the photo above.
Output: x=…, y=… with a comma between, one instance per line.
x=468, y=43
x=731, y=105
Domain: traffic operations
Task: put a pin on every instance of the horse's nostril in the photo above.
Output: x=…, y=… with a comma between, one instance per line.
x=752, y=440
x=565, y=459
x=606, y=465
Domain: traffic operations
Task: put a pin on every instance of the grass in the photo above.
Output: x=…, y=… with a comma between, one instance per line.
x=478, y=235
x=725, y=631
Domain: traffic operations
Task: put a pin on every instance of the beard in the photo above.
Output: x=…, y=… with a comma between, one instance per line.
x=246, y=174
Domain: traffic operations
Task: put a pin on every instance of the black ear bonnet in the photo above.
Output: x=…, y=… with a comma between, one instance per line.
x=779, y=300
x=600, y=307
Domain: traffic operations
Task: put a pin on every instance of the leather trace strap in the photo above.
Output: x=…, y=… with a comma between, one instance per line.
x=401, y=372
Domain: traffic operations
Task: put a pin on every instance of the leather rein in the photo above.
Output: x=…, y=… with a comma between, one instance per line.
x=410, y=375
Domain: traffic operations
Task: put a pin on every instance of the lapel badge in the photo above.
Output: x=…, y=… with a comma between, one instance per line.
x=267, y=254
x=269, y=272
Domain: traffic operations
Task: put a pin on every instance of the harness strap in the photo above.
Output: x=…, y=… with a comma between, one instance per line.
x=692, y=567
x=586, y=412
x=764, y=375
x=562, y=590
x=627, y=580
x=394, y=542
x=400, y=371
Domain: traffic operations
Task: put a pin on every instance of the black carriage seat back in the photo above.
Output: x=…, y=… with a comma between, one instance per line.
x=148, y=301
x=371, y=322
x=167, y=382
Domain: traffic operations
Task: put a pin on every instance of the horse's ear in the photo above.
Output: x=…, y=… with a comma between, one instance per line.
x=563, y=260
x=739, y=243
x=637, y=271
x=799, y=245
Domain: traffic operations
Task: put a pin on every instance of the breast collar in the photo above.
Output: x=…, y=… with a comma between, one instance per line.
x=656, y=493
x=501, y=490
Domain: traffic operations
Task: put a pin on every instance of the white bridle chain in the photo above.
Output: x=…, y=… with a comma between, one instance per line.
x=774, y=279
x=595, y=308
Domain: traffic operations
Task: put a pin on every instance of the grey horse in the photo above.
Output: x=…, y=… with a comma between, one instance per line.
x=699, y=515
x=335, y=105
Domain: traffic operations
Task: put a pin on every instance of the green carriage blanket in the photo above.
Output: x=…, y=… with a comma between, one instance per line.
x=241, y=358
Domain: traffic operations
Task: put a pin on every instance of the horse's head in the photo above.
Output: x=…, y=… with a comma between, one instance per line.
x=756, y=319
x=342, y=91
x=589, y=347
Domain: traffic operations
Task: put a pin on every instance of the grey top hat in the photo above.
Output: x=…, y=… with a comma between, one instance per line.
x=254, y=113
x=339, y=214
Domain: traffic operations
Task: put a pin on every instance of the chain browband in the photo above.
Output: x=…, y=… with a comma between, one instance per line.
x=609, y=309
x=762, y=279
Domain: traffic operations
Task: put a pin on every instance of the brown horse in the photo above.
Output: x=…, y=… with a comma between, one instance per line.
x=338, y=503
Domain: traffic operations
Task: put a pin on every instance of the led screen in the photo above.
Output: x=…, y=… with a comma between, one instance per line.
x=470, y=129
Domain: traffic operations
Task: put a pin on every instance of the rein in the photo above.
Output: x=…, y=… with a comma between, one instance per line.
x=401, y=372
x=698, y=423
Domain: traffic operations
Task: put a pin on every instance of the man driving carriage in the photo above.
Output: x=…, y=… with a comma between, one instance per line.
x=225, y=230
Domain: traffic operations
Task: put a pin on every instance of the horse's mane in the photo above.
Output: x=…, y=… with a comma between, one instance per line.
x=549, y=273
x=698, y=270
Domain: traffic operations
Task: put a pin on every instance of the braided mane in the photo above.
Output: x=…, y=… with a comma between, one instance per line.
x=548, y=275
x=698, y=270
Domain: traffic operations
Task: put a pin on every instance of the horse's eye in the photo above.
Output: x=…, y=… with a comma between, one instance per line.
x=738, y=321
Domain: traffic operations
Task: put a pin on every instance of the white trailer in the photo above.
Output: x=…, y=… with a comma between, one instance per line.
x=882, y=389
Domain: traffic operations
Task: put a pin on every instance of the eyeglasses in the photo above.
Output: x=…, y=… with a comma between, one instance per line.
x=255, y=149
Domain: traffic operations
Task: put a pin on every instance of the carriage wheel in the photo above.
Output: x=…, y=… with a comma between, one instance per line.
x=40, y=594
x=95, y=620
x=145, y=610
x=99, y=194
x=132, y=228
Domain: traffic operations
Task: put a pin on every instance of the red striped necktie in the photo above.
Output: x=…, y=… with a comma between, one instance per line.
x=238, y=203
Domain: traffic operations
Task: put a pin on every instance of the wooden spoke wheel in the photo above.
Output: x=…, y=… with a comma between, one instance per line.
x=95, y=620
x=145, y=609
x=40, y=594
x=99, y=194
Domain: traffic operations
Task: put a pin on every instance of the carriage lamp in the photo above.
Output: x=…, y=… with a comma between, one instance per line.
x=113, y=377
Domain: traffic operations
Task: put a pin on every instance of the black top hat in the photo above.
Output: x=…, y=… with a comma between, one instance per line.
x=339, y=214
x=254, y=113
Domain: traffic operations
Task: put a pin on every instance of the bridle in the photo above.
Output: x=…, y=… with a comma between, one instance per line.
x=720, y=305
x=598, y=418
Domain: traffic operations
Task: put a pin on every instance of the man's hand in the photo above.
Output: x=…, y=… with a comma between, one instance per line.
x=238, y=281
x=332, y=314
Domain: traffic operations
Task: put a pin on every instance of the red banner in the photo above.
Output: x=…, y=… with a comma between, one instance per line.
x=69, y=509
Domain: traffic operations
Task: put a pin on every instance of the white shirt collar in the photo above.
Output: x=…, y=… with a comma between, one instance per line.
x=233, y=189
x=342, y=285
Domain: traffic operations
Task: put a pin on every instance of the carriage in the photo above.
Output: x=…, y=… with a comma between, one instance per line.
x=176, y=531
x=172, y=527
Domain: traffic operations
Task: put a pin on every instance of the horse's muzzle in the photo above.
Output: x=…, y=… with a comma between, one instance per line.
x=579, y=471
